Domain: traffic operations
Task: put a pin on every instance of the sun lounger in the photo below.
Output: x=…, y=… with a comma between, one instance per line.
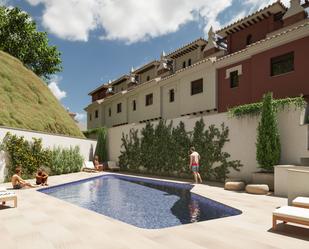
x=8, y=196
x=302, y=202
x=291, y=214
x=88, y=166
x=112, y=165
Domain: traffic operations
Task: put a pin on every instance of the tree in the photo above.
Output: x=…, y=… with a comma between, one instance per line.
x=101, y=148
x=268, y=147
x=20, y=38
x=181, y=143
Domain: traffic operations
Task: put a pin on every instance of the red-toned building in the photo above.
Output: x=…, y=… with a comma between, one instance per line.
x=267, y=51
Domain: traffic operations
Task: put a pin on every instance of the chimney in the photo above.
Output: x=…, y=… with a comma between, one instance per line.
x=294, y=14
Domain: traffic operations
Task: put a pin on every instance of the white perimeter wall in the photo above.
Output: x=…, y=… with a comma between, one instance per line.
x=242, y=138
x=49, y=141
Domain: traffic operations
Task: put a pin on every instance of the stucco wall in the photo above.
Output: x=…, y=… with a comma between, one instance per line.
x=194, y=56
x=256, y=78
x=152, y=73
x=242, y=139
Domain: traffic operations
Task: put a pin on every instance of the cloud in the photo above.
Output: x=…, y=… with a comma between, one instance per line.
x=54, y=88
x=80, y=117
x=135, y=20
x=129, y=21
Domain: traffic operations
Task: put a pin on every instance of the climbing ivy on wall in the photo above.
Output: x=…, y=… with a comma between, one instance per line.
x=164, y=150
x=255, y=109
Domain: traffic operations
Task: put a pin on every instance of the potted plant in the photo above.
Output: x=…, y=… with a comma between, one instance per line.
x=268, y=147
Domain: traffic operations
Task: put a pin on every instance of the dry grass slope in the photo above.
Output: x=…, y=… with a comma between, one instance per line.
x=26, y=102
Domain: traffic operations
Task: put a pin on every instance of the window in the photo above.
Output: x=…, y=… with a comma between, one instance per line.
x=109, y=112
x=148, y=78
x=234, y=79
x=189, y=62
x=134, y=105
x=249, y=39
x=282, y=64
x=119, y=107
x=184, y=64
x=149, y=99
x=172, y=95
x=96, y=114
x=196, y=86
x=90, y=117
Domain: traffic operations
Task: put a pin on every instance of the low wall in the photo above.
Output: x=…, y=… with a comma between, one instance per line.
x=49, y=141
x=298, y=182
x=242, y=138
x=282, y=183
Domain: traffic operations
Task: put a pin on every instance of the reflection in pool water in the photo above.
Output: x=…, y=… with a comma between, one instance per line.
x=141, y=202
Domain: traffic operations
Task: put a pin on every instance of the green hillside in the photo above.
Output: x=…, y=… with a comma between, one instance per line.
x=26, y=101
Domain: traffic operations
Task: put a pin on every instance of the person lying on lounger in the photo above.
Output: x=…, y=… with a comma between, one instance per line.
x=18, y=182
x=41, y=178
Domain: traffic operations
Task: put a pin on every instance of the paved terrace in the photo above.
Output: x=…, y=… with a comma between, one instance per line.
x=41, y=221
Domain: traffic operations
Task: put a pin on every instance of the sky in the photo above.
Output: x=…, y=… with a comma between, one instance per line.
x=100, y=40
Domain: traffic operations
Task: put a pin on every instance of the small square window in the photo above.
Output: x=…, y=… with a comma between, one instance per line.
x=172, y=95
x=109, y=112
x=149, y=99
x=282, y=64
x=234, y=79
x=96, y=114
x=134, y=105
x=196, y=86
x=119, y=107
x=189, y=62
x=148, y=78
x=184, y=64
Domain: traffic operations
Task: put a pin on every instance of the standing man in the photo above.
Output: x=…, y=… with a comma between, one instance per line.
x=194, y=164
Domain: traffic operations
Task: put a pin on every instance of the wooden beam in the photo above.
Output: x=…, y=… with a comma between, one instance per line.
x=255, y=21
x=259, y=18
x=265, y=16
x=250, y=23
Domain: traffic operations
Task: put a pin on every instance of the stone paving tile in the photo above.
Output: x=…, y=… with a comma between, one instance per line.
x=41, y=221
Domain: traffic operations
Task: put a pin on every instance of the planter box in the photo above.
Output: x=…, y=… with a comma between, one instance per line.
x=264, y=178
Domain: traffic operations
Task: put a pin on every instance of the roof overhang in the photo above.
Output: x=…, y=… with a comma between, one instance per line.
x=147, y=67
x=104, y=86
x=187, y=48
x=252, y=19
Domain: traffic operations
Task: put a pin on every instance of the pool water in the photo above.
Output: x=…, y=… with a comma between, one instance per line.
x=144, y=203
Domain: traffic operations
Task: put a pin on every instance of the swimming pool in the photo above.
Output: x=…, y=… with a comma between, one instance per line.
x=144, y=203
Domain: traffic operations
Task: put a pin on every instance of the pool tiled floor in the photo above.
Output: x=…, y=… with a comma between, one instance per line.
x=41, y=221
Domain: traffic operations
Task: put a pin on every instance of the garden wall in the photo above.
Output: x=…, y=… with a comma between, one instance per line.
x=242, y=138
x=48, y=140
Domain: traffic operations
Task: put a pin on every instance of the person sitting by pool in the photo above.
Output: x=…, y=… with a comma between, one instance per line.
x=18, y=182
x=41, y=177
x=96, y=163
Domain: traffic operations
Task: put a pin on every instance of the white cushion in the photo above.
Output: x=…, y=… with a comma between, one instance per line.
x=89, y=165
x=304, y=201
x=7, y=194
x=293, y=212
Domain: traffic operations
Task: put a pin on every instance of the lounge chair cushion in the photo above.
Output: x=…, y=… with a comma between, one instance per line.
x=302, y=201
x=89, y=165
x=293, y=213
